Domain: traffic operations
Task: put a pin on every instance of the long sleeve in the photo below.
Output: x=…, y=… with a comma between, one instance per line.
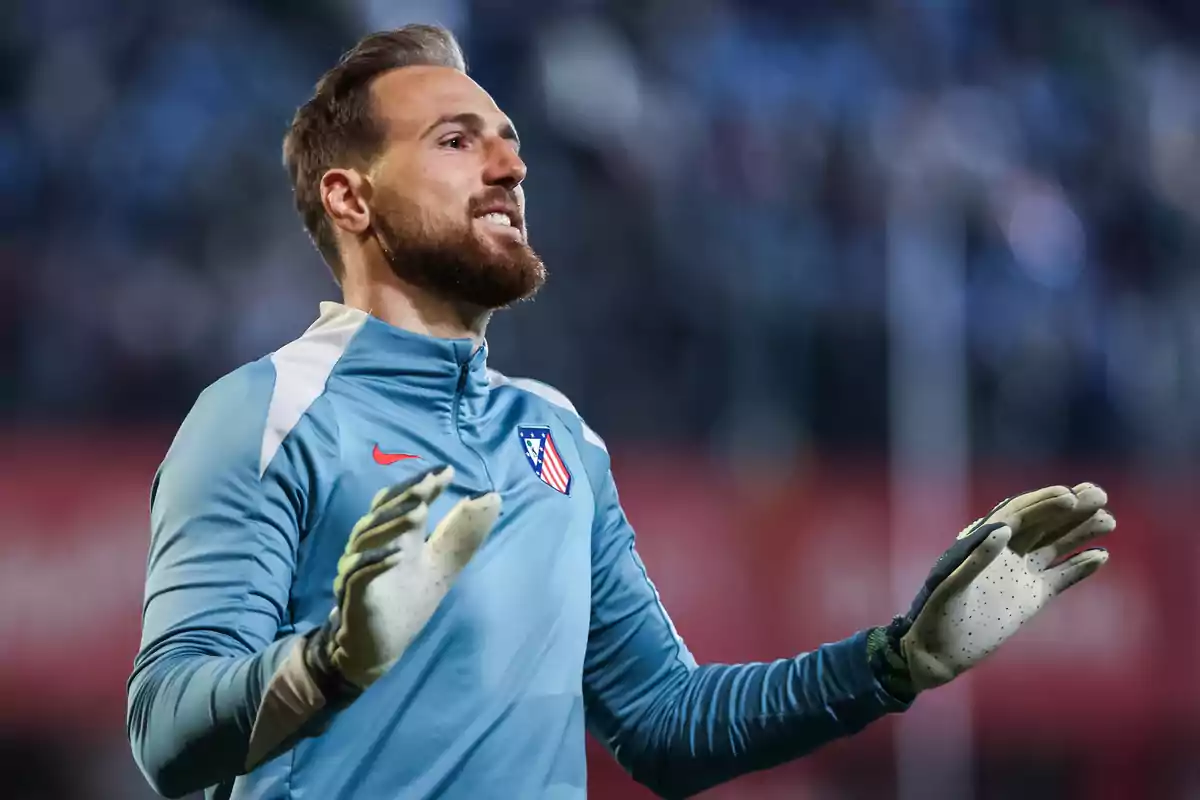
x=223, y=549
x=680, y=728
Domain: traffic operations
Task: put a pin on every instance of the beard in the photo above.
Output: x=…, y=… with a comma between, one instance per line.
x=454, y=261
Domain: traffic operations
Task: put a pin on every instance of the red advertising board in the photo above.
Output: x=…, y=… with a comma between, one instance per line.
x=750, y=569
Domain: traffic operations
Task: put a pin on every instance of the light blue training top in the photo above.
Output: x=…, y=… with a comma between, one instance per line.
x=552, y=627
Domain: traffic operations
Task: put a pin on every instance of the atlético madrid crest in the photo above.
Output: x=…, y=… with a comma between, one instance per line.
x=543, y=456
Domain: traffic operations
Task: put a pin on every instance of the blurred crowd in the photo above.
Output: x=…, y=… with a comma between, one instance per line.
x=715, y=187
x=730, y=197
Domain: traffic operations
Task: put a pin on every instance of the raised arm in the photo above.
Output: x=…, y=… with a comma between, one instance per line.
x=223, y=549
x=680, y=728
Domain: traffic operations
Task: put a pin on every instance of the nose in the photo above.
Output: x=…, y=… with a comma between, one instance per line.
x=504, y=165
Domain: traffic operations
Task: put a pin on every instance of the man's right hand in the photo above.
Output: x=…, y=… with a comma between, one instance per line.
x=391, y=579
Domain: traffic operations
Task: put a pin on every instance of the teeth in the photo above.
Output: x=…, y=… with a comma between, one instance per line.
x=499, y=218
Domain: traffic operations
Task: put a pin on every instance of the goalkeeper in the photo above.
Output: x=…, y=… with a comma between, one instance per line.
x=379, y=569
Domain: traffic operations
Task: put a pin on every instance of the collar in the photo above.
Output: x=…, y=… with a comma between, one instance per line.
x=427, y=363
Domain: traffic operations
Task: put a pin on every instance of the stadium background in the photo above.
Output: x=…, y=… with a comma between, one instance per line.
x=828, y=276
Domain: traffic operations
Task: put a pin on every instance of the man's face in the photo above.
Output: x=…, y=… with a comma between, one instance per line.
x=448, y=203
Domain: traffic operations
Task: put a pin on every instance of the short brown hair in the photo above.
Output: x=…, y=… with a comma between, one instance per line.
x=336, y=126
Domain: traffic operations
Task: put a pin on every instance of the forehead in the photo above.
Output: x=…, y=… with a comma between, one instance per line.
x=410, y=99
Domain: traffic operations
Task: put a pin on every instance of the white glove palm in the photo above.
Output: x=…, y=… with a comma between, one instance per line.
x=391, y=580
x=997, y=576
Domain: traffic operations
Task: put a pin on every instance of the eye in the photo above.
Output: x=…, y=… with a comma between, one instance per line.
x=457, y=141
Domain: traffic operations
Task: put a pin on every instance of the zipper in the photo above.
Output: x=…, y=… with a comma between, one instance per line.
x=463, y=373
x=458, y=392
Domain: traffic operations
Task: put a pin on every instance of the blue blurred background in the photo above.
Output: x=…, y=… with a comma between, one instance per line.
x=830, y=277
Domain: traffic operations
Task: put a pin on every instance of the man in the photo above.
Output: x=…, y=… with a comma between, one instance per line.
x=304, y=636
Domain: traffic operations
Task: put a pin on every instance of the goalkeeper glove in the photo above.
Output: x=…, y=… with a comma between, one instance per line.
x=999, y=573
x=390, y=581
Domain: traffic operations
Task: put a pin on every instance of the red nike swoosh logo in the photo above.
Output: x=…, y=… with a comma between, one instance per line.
x=389, y=458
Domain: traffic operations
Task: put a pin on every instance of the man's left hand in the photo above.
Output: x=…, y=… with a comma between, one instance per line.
x=999, y=573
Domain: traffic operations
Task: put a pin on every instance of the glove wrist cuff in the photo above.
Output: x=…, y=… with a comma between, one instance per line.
x=318, y=660
x=886, y=657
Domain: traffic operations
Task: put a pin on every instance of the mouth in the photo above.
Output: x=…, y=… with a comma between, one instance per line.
x=502, y=218
x=498, y=218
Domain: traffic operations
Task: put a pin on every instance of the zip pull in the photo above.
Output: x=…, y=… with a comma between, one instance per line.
x=463, y=371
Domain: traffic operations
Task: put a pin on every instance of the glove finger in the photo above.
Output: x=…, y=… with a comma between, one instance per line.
x=355, y=570
x=1090, y=496
x=425, y=486
x=398, y=509
x=388, y=525
x=1047, y=508
x=1030, y=524
x=1090, y=499
x=1029, y=501
x=1075, y=569
x=463, y=530
x=1098, y=524
x=1011, y=510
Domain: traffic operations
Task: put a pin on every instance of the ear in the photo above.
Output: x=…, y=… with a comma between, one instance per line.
x=344, y=193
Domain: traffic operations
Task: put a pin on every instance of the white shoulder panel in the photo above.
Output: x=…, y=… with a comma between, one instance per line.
x=301, y=369
x=549, y=394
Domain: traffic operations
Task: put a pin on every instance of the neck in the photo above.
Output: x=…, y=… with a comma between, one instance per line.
x=402, y=304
